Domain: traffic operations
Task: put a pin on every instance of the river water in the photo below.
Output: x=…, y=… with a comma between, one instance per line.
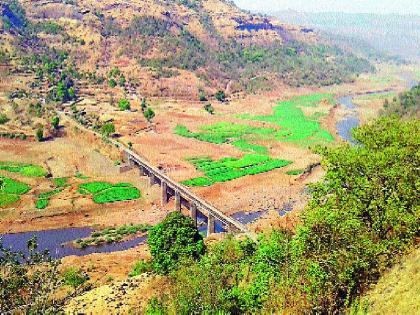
x=57, y=242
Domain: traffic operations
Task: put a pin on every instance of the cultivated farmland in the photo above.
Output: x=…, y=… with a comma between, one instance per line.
x=227, y=169
x=104, y=192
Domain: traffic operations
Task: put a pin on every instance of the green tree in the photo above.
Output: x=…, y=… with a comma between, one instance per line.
x=55, y=122
x=149, y=114
x=124, y=104
x=112, y=83
x=174, y=239
x=39, y=134
x=220, y=96
x=108, y=129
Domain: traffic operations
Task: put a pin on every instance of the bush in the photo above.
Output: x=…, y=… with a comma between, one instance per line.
x=39, y=134
x=174, y=239
x=108, y=129
x=124, y=104
x=112, y=83
x=55, y=122
x=149, y=114
x=209, y=108
x=3, y=119
x=27, y=282
x=74, y=277
x=220, y=96
x=140, y=267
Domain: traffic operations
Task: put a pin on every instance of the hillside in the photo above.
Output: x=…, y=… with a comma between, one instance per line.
x=174, y=48
x=392, y=34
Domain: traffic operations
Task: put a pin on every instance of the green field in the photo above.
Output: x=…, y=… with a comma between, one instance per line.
x=24, y=169
x=44, y=198
x=295, y=172
x=295, y=126
x=227, y=169
x=238, y=135
x=104, y=192
x=10, y=190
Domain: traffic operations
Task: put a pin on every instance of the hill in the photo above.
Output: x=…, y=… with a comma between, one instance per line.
x=387, y=34
x=167, y=48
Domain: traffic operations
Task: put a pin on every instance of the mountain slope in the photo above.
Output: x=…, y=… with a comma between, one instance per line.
x=176, y=47
x=391, y=34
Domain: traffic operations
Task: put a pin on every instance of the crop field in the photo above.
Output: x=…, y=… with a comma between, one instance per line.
x=228, y=169
x=44, y=198
x=24, y=169
x=104, y=192
x=295, y=126
x=238, y=135
x=10, y=190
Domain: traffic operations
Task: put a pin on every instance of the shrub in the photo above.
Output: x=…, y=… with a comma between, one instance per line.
x=39, y=134
x=149, y=114
x=175, y=238
x=27, y=282
x=74, y=277
x=140, y=267
x=108, y=129
x=209, y=108
x=202, y=96
x=124, y=104
x=220, y=96
x=112, y=83
x=3, y=119
x=55, y=122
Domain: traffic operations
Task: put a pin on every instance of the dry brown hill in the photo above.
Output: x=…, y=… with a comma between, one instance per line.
x=175, y=48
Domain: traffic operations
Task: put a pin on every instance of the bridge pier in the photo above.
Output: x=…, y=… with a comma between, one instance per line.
x=141, y=171
x=193, y=209
x=165, y=197
x=177, y=201
x=210, y=225
x=152, y=179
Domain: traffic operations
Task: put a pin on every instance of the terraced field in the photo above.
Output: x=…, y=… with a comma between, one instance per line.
x=103, y=192
x=228, y=169
x=11, y=190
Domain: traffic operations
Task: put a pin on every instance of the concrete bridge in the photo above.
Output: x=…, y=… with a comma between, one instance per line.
x=182, y=196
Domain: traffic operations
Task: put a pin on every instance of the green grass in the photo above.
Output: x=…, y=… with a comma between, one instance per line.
x=228, y=169
x=10, y=191
x=104, y=192
x=61, y=182
x=115, y=194
x=112, y=235
x=44, y=198
x=24, y=169
x=81, y=176
x=8, y=199
x=295, y=172
x=375, y=96
x=238, y=135
x=295, y=126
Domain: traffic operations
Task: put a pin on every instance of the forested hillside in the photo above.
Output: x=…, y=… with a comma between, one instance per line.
x=172, y=47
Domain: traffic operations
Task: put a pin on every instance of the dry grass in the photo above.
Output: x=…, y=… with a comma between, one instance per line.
x=398, y=291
